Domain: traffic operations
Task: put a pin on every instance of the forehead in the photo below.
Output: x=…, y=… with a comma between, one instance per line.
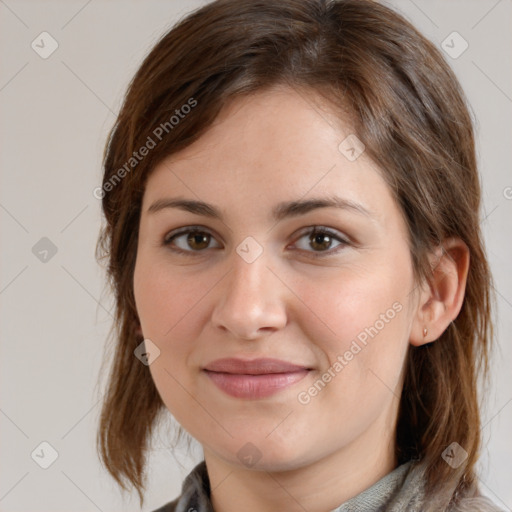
x=280, y=122
x=274, y=145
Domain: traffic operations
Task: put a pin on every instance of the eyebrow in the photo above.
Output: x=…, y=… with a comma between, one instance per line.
x=279, y=212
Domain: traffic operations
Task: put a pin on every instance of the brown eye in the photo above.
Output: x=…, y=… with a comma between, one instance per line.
x=190, y=240
x=198, y=240
x=321, y=241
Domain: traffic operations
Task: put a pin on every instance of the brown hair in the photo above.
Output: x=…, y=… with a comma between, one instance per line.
x=407, y=107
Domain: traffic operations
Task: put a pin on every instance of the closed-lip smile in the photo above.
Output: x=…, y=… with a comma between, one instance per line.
x=255, y=378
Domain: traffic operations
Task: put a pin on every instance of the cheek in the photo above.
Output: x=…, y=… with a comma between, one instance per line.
x=362, y=359
x=359, y=323
x=167, y=302
x=354, y=301
x=168, y=305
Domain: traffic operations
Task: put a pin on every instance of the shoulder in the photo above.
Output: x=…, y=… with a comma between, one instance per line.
x=168, y=507
x=195, y=493
x=413, y=497
x=478, y=504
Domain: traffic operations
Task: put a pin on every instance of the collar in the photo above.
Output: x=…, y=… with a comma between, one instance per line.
x=401, y=490
x=384, y=495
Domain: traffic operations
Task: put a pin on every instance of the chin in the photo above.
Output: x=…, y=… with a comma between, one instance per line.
x=260, y=454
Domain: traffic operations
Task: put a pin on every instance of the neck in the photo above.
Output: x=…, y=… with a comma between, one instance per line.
x=319, y=486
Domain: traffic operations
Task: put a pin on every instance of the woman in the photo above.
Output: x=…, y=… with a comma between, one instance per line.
x=291, y=200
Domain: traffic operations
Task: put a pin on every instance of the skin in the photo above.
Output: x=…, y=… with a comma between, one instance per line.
x=211, y=303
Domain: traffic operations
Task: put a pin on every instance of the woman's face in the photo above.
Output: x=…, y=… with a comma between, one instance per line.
x=255, y=282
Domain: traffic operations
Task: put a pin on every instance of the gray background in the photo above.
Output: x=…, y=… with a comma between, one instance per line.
x=55, y=314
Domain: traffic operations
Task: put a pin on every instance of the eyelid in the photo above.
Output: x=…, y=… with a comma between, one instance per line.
x=169, y=237
x=318, y=228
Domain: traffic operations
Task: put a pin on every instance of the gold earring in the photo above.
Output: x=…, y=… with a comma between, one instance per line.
x=425, y=331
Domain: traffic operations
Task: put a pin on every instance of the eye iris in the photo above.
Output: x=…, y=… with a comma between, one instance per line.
x=318, y=238
x=201, y=239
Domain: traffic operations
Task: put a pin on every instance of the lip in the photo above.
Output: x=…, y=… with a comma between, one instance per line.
x=258, y=366
x=256, y=378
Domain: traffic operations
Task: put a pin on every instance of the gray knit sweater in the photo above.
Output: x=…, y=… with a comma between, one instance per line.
x=399, y=491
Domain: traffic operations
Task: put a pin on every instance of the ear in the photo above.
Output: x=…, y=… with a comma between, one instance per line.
x=441, y=298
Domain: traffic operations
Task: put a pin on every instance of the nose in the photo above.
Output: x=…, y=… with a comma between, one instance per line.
x=251, y=300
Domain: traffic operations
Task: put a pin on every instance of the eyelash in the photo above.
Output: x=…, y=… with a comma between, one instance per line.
x=312, y=230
